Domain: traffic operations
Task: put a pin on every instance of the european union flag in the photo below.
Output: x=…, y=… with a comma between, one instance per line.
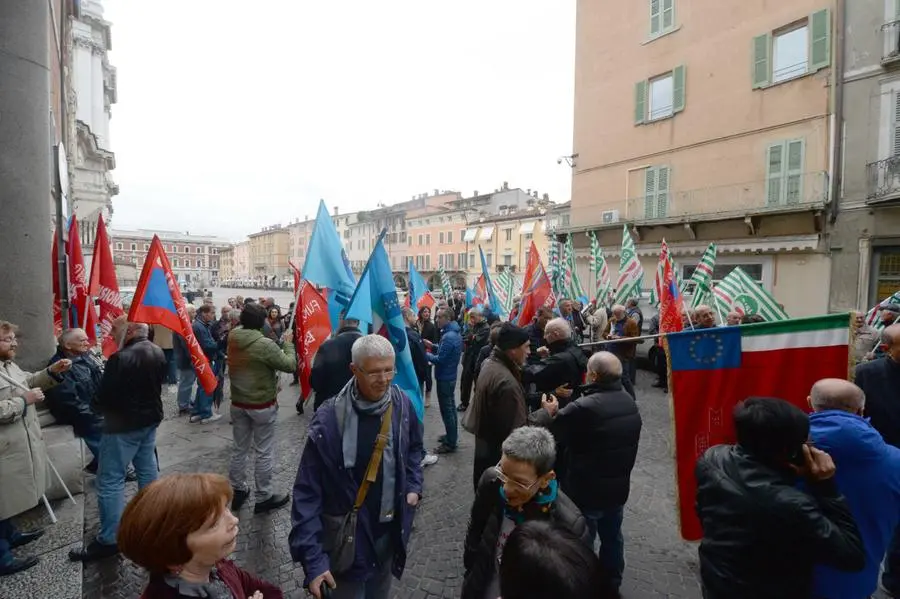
x=705, y=349
x=327, y=265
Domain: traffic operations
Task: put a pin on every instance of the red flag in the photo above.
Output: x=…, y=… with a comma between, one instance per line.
x=536, y=289
x=105, y=288
x=671, y=302
x=57, y=299
x=313, y=328
x=297, y=275
x=79, y=299
x=157, y=300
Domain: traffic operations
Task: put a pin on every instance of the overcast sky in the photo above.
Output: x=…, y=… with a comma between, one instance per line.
x=236, y=115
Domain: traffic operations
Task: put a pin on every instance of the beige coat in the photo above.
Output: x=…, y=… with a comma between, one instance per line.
x=162, y=336
x=24, y=473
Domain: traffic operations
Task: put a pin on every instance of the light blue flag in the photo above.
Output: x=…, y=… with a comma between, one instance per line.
x=327, y=265
x=496, y=305
x=417, y=288
x=375, y=302
x=470, y=297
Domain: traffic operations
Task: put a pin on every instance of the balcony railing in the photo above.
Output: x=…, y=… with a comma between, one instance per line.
x=786, y=193
x=883, y=178
x=890, y=42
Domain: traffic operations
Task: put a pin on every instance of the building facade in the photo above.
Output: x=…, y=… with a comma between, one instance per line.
x=692, y=131
x=195, y=259
x=269, y=254
x=865, y=241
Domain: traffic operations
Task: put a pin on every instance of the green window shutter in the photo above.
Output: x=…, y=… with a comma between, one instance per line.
x=896, y=124
x=794, y=174
x=662, y=191
x=655, y=17
x=668, y=14
x=678, y=89
x=775, y=174
x=640, y=102
x=819, y=40
x=650, y=188
x=762, y=71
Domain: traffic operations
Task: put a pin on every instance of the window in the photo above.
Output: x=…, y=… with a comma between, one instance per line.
x=461, y=259
x=133, y=247
x=175, y=263
x=215, y=251
x=462, y=234
x=529, y=236
x=216, y=264
x=784, y=172
x=656, y=192
x=146, y=247
x=662, y=16
x=427, y=261
x=508, y=234
x=441, y=260
x=441, y=237
x=428, y=239
x=409, y=239
x=187, y=250
x=794, y=51
x=118, y=245
x=660, y=97
x=507, y=259
x=489, y=258
x=421, y=237
x=886, y=262
x=471, y=260
x=487, y=233
x=448, y=261
x=449, y=236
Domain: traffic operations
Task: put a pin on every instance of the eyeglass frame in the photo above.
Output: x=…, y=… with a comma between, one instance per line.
x=375, y=376
x=504, y=478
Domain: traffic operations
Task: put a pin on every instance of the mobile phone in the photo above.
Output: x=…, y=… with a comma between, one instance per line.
x=325, y=591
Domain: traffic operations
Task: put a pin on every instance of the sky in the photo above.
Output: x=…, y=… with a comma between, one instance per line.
x=232, y=116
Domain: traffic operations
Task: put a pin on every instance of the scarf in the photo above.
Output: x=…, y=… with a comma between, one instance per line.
x=538, y=508
x=348, y=405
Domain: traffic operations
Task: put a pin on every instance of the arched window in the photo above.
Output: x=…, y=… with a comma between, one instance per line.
x=199, y=250
x=119, y=245
x=175, y=262
x=133, y=247
x=187, y=250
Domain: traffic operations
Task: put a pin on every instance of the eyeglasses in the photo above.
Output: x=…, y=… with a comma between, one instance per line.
x=382, y=375
x=8, y=339
x=507, y=480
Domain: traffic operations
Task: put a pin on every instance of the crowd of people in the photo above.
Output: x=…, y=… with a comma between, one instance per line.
x=800, y=506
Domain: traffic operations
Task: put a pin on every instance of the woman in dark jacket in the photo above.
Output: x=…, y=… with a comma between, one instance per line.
x=428, y=332
x=521, y=488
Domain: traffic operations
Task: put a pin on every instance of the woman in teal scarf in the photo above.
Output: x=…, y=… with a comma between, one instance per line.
x=522, y=487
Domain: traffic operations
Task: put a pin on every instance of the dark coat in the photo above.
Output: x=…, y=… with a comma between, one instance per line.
x=208, y=343
x=479, y=551
x=482, y=356
x=499, y=400
x=130, y=391
x=576, y=321
x=475, y=338
x=417, y=350
x=600, y=431
x=70, y=401
x=182, y=353
x=428, y=330
x=331, y=366
x=625, y=350
x=535, y=340
x=762, y=535
x=323, y=485
x=240, y=582
x=565, y=365
x=880, y=379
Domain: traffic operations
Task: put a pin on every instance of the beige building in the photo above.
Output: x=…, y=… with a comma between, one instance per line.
x=194, y=259
x=242, y=260
x=706, y=121
x=269, y=253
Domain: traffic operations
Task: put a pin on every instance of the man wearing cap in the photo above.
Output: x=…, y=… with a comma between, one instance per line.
x=499, y=402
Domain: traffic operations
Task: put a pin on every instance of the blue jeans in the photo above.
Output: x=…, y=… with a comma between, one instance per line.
x=448, y=410
x=117, y=450
x=607, y=524
x=186, y=378
x=890, y=579
x=203, y=402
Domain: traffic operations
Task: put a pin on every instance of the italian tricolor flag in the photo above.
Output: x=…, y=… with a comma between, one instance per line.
x=711, y=370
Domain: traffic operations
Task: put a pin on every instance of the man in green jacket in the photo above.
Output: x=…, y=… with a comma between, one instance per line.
x=254, y=361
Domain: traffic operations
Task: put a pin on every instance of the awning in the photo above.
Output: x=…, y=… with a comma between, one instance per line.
x=487, y=233
x=470, y=234
x=527, y=228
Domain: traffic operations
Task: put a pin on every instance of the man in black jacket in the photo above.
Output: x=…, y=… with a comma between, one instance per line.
x=600, y=430
x=416, y=346
x=476, y=337
x=762, y=535
x=331, y=367
x=562, y=364
x=129, y=400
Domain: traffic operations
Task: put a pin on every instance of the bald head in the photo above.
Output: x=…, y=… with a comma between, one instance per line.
x=891, y=335
x=837, y=394
x=604, y=365
x=557, y=329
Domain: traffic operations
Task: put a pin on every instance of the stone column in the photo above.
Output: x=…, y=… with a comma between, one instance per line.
x=25, y=150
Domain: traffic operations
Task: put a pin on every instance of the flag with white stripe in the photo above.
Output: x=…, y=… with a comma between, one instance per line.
x=739, y=292
x=703, y=277
x=631, y=273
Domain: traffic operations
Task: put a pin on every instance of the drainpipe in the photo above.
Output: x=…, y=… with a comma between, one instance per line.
x=837, y=116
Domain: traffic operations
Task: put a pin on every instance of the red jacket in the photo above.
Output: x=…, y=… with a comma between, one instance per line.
x=241, y=584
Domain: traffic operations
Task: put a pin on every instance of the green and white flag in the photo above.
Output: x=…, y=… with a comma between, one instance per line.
x=739, y=292
x=703, y=278
x=574, y=288
x=446, y=287
x=631, y=273
x=505, y=288
x=556, y=271
x=602, y=285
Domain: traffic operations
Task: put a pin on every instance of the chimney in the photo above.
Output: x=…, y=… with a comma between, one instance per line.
x=535, y=194
x=546, y=197
x=436, y=192
x=476, y=193
x=306, y=217
x=528, y=192
x=505, y=185
x=335, y=210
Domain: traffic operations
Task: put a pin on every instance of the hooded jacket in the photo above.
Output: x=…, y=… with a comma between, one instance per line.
x=253, y=363
x=446, y=361
x=868, y=475
x=761, y=534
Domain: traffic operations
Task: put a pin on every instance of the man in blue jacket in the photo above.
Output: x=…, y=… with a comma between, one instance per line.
x=446, y=363
x=868, y=475
x=203, y=403
x=339, y=446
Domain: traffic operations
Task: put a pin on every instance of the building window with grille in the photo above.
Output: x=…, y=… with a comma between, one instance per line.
x=795, y=50
x=886, y=271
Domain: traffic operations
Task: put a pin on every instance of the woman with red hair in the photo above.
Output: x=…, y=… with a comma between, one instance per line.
x=180, y=529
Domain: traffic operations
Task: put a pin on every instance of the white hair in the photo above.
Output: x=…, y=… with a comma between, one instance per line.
x=559, y=324
x=533, y=445
x=605, y=364
x=371, y=346
x=67, y=335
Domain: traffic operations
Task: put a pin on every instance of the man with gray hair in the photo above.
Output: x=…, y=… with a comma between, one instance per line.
x=868, y=475
x=620, y=326
x=130, y=401
x=562, y=364
x=600, y=430
x=363, y=453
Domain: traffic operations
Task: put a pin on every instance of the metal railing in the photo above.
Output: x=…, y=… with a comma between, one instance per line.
x=883, y=178
x=890, y=40
x=731, y=201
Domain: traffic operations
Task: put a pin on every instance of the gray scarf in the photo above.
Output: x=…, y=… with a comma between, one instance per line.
x=348, y=405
